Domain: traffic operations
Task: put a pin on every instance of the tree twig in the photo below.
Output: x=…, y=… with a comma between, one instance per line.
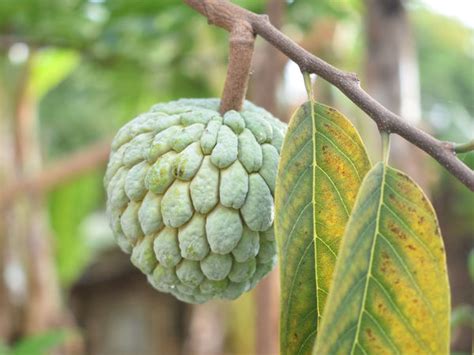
x=241, y=45
x=62, y=170
x=224, y=14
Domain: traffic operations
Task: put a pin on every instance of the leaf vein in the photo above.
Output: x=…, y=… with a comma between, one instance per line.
x=292, y=287
x=341, y=129
x=295, y=156
x=384, y=333
x=417, y=207
x=290, y=235
x=343, y=154
x=346, y=209
x=294, y=188
x=409, y=273
x=308, y=338
x=371, y=259
x=313, y=198
x=410, y=230
x=327, y=246
x=397, y=309
x=362, y=348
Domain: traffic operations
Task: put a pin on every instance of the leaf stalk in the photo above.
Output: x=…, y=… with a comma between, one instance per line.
x=464, y=147
x=385, y=146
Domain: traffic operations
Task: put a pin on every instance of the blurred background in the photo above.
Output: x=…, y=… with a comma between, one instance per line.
x=73, y=71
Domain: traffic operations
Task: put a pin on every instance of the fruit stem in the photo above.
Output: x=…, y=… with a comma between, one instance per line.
x=241, y=45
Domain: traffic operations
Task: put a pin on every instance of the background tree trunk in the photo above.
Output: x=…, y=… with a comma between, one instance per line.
x=43, y=306
x=29, y=293
x=268, y=65
x=392, y=77
x=268, y=73
x=8, y=258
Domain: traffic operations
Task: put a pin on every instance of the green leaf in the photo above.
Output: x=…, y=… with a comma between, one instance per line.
x=390, y=292
x=39, y=344
x=69, y=204
x=322, y=165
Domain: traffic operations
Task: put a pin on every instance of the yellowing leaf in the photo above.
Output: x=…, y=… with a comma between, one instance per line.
x=322, y=165
x=390, y=293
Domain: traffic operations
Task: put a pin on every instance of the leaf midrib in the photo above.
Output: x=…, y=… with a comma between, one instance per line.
x=313, y=200
x=371, y=259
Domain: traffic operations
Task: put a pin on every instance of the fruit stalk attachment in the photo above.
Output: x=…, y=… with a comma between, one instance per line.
x=241, y=45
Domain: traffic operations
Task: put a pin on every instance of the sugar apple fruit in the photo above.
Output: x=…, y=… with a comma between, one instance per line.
x=190, y=196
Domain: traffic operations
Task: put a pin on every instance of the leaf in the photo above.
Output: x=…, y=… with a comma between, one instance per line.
x=322, y=165
x=390, y=292
x=69, y=204
x=39, y=344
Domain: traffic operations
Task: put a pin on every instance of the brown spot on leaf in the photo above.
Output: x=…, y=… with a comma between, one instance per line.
x=396, y=230
x=403, y=176
x=425, y=202
x=386, y=266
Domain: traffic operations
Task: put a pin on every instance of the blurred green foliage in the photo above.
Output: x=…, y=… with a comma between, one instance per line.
x=446, y=55
x=463, y=316
x=40, y=344
x=69, y=204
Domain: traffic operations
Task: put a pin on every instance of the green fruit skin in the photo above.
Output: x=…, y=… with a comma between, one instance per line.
x=190, y=196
